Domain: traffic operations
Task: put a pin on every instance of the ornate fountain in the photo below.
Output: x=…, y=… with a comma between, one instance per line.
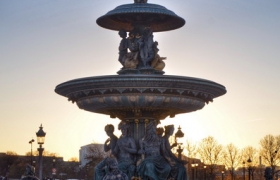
x=140, y=93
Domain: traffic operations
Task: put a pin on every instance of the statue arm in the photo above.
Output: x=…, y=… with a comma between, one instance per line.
x=106, y=147
x=167, y=153
x=133, y=148
x=171, y=155
x=141, y=150
x=168, y=148
x=173, y=145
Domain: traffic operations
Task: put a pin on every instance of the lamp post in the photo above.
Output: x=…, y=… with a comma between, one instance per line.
x=193, y=166
x=179, y=134
x=53, y=169
x=196, y=165
x=40, y=140
x=30, y=142
x=249, y=161
x=243, y=170
x=223, y=172
x=204, y=172
x=54, y=162
x=272, y=161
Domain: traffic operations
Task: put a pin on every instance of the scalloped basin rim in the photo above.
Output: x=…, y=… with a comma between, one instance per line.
x=132, y=76
x=153, y=95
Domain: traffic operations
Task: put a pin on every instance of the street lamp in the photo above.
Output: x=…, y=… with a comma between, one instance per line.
x=40, y=140
x=30, y=142
x=179, y=134
x=223, y=172
x=249, y=161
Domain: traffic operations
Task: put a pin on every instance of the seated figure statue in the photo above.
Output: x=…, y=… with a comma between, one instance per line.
x=29, y=173
x=153, y=165
x=178, y=170
x=125, y=150
x=109, y=145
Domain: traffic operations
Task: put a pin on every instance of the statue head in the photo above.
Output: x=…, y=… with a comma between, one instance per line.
x=151, y=132
x=160, y=131
x=109, y=129
x=148, y=31
x=151, y=127
x=125, y=128
x=122, y=33
x=131, y=35
x=169, y=129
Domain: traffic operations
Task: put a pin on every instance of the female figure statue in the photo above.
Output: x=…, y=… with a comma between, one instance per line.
x=153, y=165
x=109, y=145
x=125, y=149
x=147, y=53
x=123, y=46
x=178, y=170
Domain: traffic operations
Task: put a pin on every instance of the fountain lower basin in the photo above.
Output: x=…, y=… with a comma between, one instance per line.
x=139, y=95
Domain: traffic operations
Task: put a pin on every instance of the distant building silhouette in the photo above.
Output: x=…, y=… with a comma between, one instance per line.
x=90, y=149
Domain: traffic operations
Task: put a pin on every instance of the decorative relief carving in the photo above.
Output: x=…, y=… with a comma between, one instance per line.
x=174, y=94
x=136, y=106
x=120, y=90
x=206, y=97
x=137, y=112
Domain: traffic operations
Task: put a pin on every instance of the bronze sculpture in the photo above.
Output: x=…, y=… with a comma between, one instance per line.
x=29, y=173
x=141, y=95
x=154, y=165
x=111, y=142
x=178, y=170
x=108, y=170
x=125, y=150
x=123, y=46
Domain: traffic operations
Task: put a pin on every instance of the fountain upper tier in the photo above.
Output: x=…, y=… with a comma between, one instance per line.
x=129, y=16
x=134, y=96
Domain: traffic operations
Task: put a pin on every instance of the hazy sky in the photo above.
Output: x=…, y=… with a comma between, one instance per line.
x=44, y=43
